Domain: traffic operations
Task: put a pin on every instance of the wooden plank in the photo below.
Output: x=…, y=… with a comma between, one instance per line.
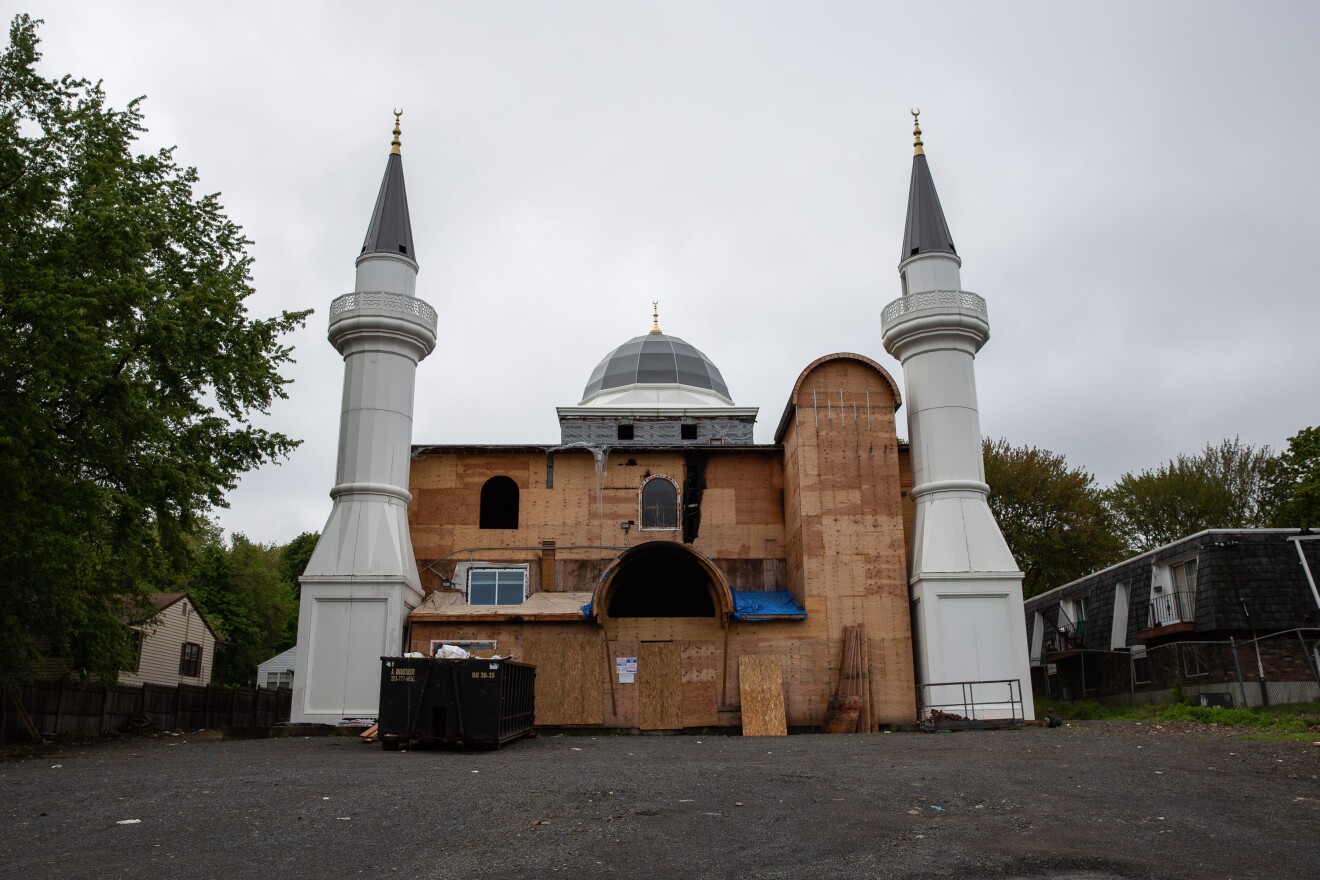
x=568, y=683
x=761, y=685
x=699, y=703
x=660, y=682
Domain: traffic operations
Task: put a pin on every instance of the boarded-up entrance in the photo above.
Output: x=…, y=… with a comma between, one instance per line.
x=660, y=684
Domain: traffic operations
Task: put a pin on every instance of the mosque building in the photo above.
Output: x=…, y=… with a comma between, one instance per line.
x=640, y=559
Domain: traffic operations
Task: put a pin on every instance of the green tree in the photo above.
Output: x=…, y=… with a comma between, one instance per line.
x=1053, y=516
x=239, y=590
x=129, y=366
x=1221, y=487
x=1293, y=482
x=294, y=557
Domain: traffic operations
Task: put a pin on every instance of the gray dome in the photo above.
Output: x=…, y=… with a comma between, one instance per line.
x=655, y=359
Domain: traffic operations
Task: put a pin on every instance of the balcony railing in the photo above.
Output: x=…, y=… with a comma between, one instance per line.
x=1167, y=609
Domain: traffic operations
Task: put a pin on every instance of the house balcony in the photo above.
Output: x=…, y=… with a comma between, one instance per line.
x=1169, y=614
x=1069, y=638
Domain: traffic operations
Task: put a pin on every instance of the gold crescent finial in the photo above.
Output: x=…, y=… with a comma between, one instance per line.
x=916, y=133
x=394, y=144
x=655, y=318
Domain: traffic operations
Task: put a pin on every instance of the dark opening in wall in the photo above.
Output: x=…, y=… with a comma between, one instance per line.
x=687, y=432
x=499, y=504
x=661, y=580
x=625, y=432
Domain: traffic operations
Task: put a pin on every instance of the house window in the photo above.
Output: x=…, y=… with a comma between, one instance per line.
x=496, y=586
x=135, y=645
x=279, y=679
x=687, y=432
x=1194, y=661
x=625, y=432
x=1173, y=594
x=499, y=504
x=659, y=504
x=190, y=660
x=1184, y=576
x=1140, y=665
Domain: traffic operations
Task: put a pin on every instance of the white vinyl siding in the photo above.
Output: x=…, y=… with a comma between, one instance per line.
x=162, y=646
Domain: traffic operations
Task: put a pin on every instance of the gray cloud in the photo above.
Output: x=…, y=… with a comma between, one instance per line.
x=1131, y=187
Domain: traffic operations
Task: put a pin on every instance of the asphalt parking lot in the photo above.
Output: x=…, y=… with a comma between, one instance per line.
x=1093, y=800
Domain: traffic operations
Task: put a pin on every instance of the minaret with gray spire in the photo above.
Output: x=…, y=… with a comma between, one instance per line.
x=362, y=579
x=966, y=589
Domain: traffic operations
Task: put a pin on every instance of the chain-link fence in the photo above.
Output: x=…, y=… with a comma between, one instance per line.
x=1274, y=669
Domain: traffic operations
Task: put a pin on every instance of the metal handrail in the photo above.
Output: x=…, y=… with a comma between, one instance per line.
x=969, y=701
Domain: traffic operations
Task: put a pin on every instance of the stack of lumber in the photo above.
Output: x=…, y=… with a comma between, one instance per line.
x=850, y=709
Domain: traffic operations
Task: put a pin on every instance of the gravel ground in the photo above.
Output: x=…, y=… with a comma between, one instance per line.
x=1090, y=801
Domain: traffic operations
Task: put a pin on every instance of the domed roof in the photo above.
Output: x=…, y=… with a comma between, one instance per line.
x=658, y=360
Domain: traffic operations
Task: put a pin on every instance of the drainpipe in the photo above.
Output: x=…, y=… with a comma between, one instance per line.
x=1306, y=567
x=1260, y=664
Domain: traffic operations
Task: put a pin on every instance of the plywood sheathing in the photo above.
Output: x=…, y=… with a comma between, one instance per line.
x=846, y=530
x=744, y=518
x=761, y=687
x=573, y=671
x=660, y=685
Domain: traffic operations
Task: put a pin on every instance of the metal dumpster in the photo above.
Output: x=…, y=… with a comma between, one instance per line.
x=479, y=703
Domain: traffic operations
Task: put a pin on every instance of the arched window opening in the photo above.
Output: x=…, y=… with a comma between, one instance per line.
x=499, y=504
x=659, y=504
x=661, y=580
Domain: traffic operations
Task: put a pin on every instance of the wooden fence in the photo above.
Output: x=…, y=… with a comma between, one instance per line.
x=57, y=707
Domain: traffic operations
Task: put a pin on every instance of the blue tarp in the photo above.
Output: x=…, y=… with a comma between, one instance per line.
x=766, y=605
x=748, y=605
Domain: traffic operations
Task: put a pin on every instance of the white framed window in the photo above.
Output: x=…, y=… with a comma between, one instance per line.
x=496, y=586
x=1195, y=661
x=1173, y=593
x=1140, y=665
x=279, y=679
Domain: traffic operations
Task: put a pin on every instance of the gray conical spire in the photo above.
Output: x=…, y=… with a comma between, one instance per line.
x=926, y=231
x=390, y=231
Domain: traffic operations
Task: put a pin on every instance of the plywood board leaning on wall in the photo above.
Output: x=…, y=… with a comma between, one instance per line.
x=568, y=682
x=761, y=685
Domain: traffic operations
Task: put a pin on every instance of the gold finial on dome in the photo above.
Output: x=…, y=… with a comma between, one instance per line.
x=394, y=144
x=655, y=318
x=916, y=134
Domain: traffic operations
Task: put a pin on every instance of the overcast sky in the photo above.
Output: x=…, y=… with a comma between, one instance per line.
x=1133, y=187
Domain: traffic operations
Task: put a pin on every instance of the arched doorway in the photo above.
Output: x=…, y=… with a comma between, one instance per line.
x=663, y=579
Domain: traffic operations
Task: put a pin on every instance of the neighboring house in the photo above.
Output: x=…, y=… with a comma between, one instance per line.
x=277, y=672
x=175, y=646
x=1233, y=613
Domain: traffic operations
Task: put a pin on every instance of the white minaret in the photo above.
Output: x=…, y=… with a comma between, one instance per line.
x=966, y=588
x=362, y=579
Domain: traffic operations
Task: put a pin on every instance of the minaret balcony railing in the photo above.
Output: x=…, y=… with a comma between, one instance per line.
x=932, y=300
x=386, y=301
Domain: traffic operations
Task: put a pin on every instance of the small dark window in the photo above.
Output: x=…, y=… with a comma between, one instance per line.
x=403, y=249
x=135, y=645
x=190, y=660
x=1194, y=661
x=499, y=504
x=659, y=504
x=687, y=432
x=625, y=432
